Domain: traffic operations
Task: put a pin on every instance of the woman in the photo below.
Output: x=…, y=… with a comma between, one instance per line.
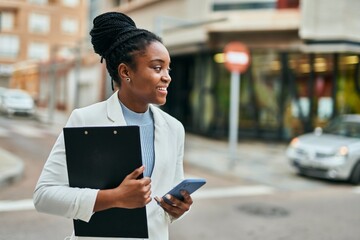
x=139, y=65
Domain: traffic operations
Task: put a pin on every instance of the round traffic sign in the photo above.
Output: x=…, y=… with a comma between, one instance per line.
x=237, y=57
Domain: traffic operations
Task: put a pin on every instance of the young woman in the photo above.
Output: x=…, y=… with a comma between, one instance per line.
x=139, y=66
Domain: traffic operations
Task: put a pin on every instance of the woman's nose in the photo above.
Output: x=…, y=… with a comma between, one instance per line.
x=166, y=77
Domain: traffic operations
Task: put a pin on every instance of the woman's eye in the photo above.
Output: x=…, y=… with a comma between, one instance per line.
x=158, y=69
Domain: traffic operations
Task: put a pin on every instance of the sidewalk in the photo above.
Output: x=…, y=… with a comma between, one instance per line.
x=255, y=161
x=11, y=168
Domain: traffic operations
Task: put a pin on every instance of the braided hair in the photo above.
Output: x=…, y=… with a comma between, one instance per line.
x=116, y=38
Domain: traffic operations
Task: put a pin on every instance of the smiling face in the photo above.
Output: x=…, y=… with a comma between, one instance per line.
x=149, y=79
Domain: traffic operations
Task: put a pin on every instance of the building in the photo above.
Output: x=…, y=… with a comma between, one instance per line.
x=42, y=48
x=304, y=62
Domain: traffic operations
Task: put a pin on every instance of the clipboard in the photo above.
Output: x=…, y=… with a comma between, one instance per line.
x=100, y=158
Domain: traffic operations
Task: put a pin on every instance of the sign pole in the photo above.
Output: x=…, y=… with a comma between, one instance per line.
x=234, y=116
x=237, y=60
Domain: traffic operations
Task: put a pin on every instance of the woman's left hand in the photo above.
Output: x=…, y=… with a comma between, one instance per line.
x=178, y=208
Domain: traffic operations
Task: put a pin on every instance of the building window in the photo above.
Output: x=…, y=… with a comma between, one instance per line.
x=228, y=5
x=9, y=46
x=39, y=2
x=6, y=69
x=70, y=25
x=288, y=4
x=71, y=3
x=39, y=23
x=38, y=50
x=6, y=21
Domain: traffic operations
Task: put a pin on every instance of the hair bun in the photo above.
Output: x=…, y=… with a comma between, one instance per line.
x=108, y=27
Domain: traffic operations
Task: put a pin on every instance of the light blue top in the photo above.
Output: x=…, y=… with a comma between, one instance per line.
x=146, y=123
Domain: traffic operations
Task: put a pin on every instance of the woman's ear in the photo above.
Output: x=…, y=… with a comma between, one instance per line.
x=123, y=71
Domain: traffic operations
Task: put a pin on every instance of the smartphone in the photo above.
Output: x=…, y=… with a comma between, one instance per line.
x=190, y=185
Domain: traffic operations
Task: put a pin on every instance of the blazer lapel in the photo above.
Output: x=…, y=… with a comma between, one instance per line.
x=160, y=144
x=114, y=111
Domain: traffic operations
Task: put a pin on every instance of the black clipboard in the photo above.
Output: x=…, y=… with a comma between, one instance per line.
x=100, y=158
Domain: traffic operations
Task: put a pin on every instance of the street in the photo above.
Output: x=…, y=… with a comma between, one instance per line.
x=226, y=208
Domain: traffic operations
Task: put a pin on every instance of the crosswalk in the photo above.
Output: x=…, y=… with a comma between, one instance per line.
x=16, y=205
x=4, y=132
x=238, y=191
x=210, y=193
x=27, y=131
x=356, y=190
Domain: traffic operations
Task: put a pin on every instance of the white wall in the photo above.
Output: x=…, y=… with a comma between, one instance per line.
x=89, y=86
x=330, y=20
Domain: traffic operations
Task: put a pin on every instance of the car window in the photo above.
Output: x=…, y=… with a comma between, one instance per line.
x=343, y=128
x=16, y=95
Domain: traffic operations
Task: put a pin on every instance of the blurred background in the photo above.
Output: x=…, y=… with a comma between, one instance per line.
x=304, y=59
x=304, y=72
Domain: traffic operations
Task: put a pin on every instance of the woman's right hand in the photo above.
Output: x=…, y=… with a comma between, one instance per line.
x=131, y=193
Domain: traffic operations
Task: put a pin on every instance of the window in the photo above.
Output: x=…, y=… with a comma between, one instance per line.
x=71, y=3
x=9, y=46
x=69, y=25
x=37, y=50
x=39, y=2
x=227, y=5
x=6, y=21
x=39, y=23
x=288, y=4
x=6, y=69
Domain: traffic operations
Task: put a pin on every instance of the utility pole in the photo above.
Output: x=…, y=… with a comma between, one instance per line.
x=52, y=92
x=78, y=58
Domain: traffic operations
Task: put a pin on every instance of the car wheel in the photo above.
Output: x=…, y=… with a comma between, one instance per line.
x=355, y=175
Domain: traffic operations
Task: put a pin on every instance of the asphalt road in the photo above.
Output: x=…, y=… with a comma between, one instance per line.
x=226, y=208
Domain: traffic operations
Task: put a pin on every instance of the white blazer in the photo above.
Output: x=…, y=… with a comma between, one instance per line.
x=53, y=194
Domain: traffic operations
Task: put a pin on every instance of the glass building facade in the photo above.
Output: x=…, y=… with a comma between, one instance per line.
x=282, y=94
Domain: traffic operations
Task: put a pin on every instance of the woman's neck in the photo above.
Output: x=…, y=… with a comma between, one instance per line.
x=132, y=104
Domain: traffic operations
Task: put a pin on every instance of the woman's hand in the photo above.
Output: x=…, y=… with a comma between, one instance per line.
x=131, y=193
x=178, y=208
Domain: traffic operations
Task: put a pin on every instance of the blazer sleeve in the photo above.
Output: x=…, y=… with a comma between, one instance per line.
x=52, y=193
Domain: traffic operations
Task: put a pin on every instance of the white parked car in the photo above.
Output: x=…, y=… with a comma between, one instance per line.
x=14, y=101
x=330, y=153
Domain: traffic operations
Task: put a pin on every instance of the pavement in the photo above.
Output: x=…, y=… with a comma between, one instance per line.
x=11, y=168
x=255, y=161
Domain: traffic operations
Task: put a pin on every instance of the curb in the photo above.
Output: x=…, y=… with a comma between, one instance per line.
x=11, y=168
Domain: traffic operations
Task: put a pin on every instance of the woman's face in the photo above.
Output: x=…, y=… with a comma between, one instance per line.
x=149, y=81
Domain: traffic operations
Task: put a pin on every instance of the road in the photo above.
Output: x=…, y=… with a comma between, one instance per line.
x=226, y=208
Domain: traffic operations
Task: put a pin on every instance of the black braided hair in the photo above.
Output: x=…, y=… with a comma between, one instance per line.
x=115, y=38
